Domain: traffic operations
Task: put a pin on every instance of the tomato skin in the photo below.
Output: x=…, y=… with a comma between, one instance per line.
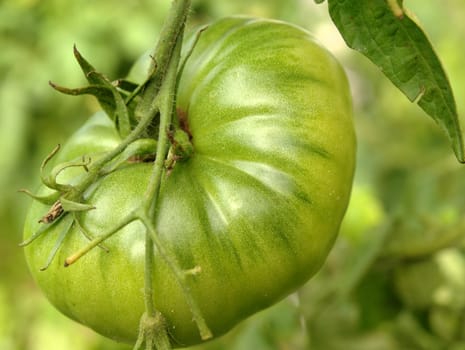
x=257, y=206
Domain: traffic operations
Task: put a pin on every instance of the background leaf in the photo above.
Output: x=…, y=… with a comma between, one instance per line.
x=393, y=40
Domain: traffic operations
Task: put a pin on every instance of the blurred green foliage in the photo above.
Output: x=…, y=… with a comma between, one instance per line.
x=396, y=277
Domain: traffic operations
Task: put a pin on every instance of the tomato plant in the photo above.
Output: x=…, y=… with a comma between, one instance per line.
x=249, y=214
x=212, y=185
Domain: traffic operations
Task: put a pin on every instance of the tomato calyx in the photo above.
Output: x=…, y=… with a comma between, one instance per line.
x=64, y=197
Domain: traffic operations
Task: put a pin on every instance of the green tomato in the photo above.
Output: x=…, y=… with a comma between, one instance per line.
x=256, y=207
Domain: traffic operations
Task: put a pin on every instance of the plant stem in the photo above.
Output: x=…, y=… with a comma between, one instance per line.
x=148, y=279
x=180, y=277
x=172, y=28
x=165, y=101
x=159, y=97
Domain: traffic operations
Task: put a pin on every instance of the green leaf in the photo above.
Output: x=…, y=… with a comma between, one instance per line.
x=383, y=32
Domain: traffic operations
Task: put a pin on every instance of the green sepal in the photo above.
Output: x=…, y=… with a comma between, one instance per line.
x=118, y=110
x=69, y=205
x=87, y=68
x=120, y=113
x=49, y=157
x=106, y=100
x=47, y=199
x=39, y=232
x=102, y=93
x=58, y=243
x=50, y=180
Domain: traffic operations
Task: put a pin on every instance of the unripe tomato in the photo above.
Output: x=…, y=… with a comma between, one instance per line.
x=256, y=207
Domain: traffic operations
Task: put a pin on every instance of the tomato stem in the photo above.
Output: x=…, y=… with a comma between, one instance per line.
x=171, y=30
x=165, y=103
x=164, y=100
x=148, y=279
x=180, y=276
x=159, y=95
